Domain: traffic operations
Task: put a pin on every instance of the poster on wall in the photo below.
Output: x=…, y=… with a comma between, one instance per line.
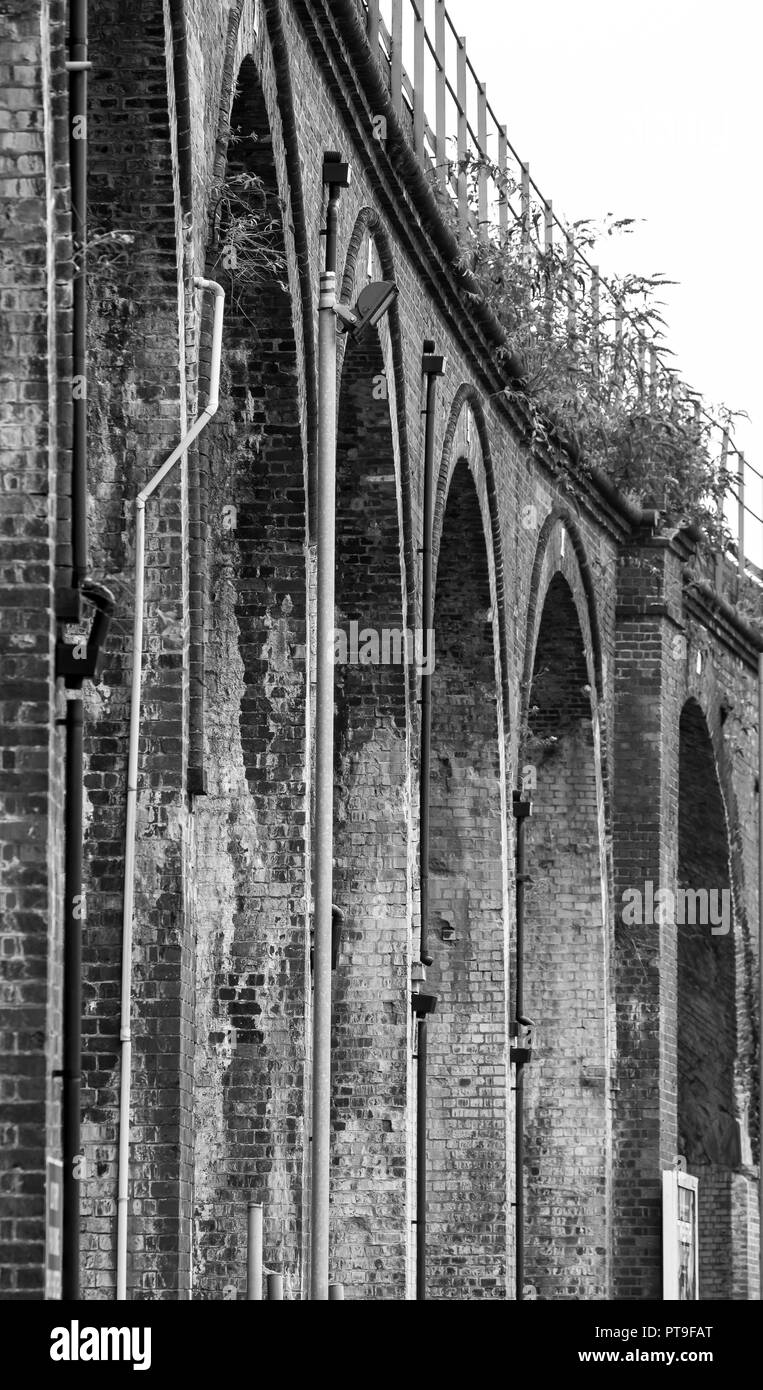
x=680, y=1251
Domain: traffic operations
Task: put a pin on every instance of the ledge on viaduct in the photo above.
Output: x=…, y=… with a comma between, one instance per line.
x=576, y=657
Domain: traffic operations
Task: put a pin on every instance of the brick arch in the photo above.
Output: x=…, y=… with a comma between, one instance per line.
x=712, y=1094
x=368, y=225
x=371, y=839
x=568, y=1124
x=577, y=570
x=467, y=398
x=468, y=1058
x=250, y=827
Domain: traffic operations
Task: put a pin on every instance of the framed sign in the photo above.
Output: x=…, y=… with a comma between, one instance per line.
x=680, y=1247
x=54, y=1215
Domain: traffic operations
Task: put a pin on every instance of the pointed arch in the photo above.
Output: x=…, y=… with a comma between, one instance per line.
x=467, y=403
x=468, y=1202
x=250, y=829
x=369, y=227
x=566, y=955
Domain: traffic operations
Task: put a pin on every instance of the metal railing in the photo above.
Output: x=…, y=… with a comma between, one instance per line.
x=487, y=188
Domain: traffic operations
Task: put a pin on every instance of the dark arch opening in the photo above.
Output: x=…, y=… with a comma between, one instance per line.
x=370, y=1016
x=708, y=1131
x=467, y=1090
x=251, y=975
x=567, y=1144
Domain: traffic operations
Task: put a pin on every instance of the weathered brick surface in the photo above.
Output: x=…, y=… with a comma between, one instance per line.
x=250, y=898
x=222, y=1000
x=371, y=829
x=33, y=417
x=567, y=987
x=468, y=1063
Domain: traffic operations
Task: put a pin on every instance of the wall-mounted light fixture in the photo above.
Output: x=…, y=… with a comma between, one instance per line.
x=447, y=931
x=371, y=305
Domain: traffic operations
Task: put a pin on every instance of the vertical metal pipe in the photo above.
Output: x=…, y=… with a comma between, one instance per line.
x=324, y=784
x=427, y=618
x=254, y=1253
x=336, y=1293
x=275, y=1288
x=78, y=67
x=421, y=1160
x=72, y=986
x=519, y=1131
x=760, y=974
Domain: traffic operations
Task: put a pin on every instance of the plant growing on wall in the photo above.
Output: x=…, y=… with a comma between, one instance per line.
x=587, y=376
x=245, y=240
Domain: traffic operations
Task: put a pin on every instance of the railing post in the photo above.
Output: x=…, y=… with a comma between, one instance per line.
x=548, y=247
x=396, y=57
x=482, y=142
x=653, y=369
x=418, y=80
x=524, y=196
x=721, y=510
x=503, y=174
x=372, y=27
x=595, y=320
x=618, y=364
x=461, y=143
x=439, y=50
x=570, y=277
x=641, y=366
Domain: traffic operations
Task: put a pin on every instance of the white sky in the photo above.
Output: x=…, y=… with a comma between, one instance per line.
x=649, y=109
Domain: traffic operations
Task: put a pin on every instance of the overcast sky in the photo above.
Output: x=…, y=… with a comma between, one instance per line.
x=649, y=110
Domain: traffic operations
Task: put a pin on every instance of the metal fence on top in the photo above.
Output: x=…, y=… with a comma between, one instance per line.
x=465, y=150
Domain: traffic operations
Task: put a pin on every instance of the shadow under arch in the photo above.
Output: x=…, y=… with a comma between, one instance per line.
x=368, y=224
x=560, y=516
x=467, y=396
x=714, y=1100
x=468, y=1100
x=567, y=1118
x=250, y=829
x=371, y=883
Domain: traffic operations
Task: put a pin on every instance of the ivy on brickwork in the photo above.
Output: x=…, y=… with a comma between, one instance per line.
x=585, y=380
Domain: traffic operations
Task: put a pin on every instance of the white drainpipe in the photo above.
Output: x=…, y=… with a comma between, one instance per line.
x=132, y=779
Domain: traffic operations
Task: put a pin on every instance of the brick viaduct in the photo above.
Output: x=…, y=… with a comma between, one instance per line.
x=571, y=640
